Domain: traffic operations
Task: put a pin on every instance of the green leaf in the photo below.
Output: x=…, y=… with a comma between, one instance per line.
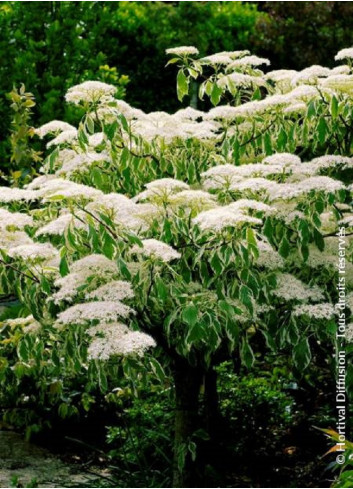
x=245, y=297
x=63, y=266
x=216, y=94
x=246, y=353
x=334, y=107
x=250, y=236
x=322, y=130
x=90, y=124
x=162, y=290
x=284, y=247
x=182, y=85
x=189, y=314
x=302, y=354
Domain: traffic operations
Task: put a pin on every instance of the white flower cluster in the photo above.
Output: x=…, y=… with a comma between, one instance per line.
x=160, y=190
x=223, y=217
x=33, y=251
x=58, y=226
x=28, y=323
x=95, y=266
x=53, y=127
x=291, y=288
x=315, y=311
x=117, y=339
x=346, y=53
x=156, y=249
x=16, y=220
x=12, y=239
x=268, y=257
x=183, y=51
x=90, y=92
x=117, y=290
x=104, y=311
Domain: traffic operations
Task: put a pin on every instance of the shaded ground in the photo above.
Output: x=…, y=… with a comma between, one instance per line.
x=23, y=464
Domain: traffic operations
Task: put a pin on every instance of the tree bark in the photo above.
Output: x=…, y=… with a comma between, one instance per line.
x=211, y=404
x=187, y=391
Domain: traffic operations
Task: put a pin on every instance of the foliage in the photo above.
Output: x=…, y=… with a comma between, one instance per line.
x=157, y=246
x=22, y=155
x=295, y=38
x=345, y=471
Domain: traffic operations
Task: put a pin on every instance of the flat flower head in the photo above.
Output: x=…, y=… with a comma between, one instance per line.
x=223, y=217
x=90, y=92
x=183, y=51
x=154, y=248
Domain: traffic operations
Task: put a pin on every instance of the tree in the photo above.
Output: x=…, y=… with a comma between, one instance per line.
x=200, y=234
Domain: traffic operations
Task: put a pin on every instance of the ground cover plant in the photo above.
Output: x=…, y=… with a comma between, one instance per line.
x=154, y=251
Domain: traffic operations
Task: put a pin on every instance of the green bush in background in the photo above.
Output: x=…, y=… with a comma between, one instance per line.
x=50, y=46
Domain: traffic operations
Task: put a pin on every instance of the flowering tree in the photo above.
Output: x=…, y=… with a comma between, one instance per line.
x=206, y=235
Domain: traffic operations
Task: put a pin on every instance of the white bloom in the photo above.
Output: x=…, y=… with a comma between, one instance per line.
x=347, y=221
x=216, y=59
x=302, y=92
x=188, y=113
x=60, y=225
x=283, y=159
x=96, y=139
x=94, y=267
x=16, y=220
x=66, y=137
x=290, y=288
x=116, y=339
x=65, y=189
x=239, y=80
x=82, y=162
x=318, y=184
x=255, y=185
x=317, y=311
x=8, y=194
x=311, y=74
x=223, y=112
x=160, y=189
x=332, y=161
x=349, y=301
x=279, y=75
x=346, y=53
x=117, y=290
x=94, y=263
x=29, y=324
x=11, y=239
x=193, y=199
x=341, y=70
x=37, y=182
x=156, y=249
x=33, y=251
x=249, y=61
x=318, y=259
x=90, y=91
x=167, y=184
x=183, y=51
x=342, y=83
x=268, y=257
x=53, y=127
x=217, y=219
x=104, y=311
x=255, y=205
x=295, y=108
x=349, y=333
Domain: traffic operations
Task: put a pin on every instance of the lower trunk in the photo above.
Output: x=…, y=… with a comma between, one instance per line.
x=211, y=404
x=187, y=389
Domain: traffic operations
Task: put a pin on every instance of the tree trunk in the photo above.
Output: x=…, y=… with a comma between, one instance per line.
x=187, y=390
x=211, y=404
